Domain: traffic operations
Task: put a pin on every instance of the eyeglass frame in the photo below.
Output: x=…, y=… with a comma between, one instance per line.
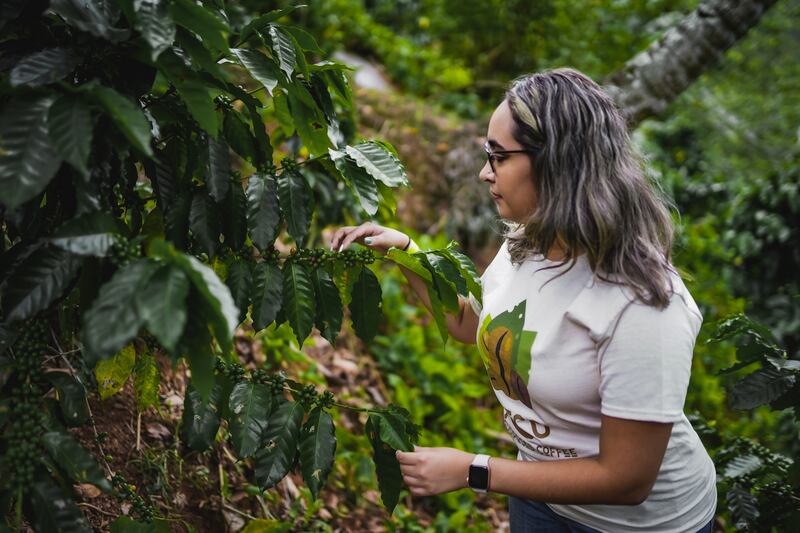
x=490, y=153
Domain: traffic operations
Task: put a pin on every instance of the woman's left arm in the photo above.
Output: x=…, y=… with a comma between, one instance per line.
x=622, y=474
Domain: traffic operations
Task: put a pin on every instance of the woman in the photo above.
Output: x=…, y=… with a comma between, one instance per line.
x=586, y=331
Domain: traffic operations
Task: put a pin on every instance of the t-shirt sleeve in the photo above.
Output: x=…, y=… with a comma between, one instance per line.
x=487, y=277
x=646, y=364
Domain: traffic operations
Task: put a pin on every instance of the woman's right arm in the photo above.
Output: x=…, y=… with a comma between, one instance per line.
x=463, y=326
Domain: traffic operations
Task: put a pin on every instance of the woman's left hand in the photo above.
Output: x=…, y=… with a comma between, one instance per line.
x=429, y=471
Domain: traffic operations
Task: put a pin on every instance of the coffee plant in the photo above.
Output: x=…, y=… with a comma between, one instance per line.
x=762, y=486
x=157, y=160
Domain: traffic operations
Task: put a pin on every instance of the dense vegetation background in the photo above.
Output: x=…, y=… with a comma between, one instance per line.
x=727, y=151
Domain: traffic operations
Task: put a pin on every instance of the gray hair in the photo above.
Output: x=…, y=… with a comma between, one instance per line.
x=592, y=194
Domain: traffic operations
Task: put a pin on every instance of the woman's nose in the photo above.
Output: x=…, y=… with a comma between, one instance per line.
x=486, y=173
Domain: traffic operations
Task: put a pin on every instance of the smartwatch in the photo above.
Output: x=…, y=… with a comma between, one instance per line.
x=478, y=478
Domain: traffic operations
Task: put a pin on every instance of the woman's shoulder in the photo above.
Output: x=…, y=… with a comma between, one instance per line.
x=605, y=298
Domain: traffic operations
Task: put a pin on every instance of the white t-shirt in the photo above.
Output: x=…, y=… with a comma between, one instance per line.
x=559, y=354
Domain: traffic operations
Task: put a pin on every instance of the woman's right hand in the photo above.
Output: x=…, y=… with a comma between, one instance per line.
x=371, y=235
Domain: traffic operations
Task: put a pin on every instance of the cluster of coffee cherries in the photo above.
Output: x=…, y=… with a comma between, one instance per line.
x=271, y=255
x=28, y=419
x=123, y=251
x=307, y=395
x=127, y=492
x=317, y=257
x=223, y=102
x=233, y=371
x=276, y=380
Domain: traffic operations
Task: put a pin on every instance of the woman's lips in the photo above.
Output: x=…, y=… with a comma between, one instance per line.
x=496, y=196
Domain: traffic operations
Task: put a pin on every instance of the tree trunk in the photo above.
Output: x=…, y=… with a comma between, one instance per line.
x=649, y=82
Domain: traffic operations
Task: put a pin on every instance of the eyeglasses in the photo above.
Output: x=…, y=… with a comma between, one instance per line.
x=490, y=154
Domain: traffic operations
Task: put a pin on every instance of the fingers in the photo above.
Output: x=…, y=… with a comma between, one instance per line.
x=360, y=232
x=406, y=458
x=339, y=235
x=345, y=235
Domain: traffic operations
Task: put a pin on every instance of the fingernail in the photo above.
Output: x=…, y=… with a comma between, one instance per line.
x=368, y=240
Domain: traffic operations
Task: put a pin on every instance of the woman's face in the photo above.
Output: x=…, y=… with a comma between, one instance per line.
x=511, y=184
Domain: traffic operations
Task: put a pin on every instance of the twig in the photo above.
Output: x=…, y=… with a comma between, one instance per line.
x=237, y=511
x=95, y=508
x=139, y=432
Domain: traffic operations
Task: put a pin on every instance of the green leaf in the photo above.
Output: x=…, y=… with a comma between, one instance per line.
x=201, y=57
x=112, y=321
x=361, y=183
x=317, y=449
x=743, y=507
x=52, y=511
x=90, y=234
x=218, y=175
x=223, y=312
x=69, y=124
x=344, y=279
x=298, y=299
x=328, y=317
x=260, y=23
x=112, y=373
x=760, y=388
x=237, y=133
x=71, y=397
x=161, y=305
x=43, y=67
x=262, y=68
x=267, y=294
x=176, y=221
x=283, y=48
x=308, y=118
x=365, y=306
x=146, y=379
x=79, y=465
x=393, y=432
x=380, y=163
x=239, y=281
x=200, y=102
x=304, y=39
x=38, y=282
x=127, y=116
x=202, y=21
x=250, y=404
x=273, y=461
x=154, y=22
x=28, y=160
x=742, y=466
x=387, y=468
x=195, y=344
x=91, y=17
x=467, y=270
x=412, y=263
x=442, y=271
x=204, y=222
x=234, y=220
x=263, y=213
x=294, y=200
x=201, y=419
x=267, y=525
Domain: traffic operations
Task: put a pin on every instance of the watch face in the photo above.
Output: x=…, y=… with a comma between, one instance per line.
x=478, y=477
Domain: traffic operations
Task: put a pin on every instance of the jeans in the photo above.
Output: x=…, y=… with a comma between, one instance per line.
x=528, y=516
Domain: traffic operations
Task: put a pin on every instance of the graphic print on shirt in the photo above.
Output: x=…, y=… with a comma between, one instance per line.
x=506, y=351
